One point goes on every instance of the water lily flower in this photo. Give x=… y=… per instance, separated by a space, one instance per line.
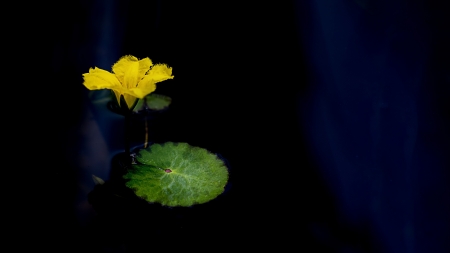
x=131 y=78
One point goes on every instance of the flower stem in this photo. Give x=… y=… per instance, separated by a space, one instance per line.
x=146 y=133
x=127 y=138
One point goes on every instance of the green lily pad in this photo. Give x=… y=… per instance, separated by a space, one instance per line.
x=177 y=174
x=154 y=102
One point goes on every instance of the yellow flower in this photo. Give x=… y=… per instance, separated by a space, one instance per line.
x=131 y=78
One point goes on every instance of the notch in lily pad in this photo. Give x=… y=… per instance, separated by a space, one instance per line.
x=154 y=102
x=177 y=174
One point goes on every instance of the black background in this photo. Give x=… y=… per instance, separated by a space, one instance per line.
x=250 y=83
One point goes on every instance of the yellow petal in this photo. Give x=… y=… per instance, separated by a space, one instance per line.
x=144 y=66
x=117 y=96
x=122 y=66
x=160 y=72
x=129 y=100
x=139 y=93
x=98 y=79
x=130 y=79
x=146 y=86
